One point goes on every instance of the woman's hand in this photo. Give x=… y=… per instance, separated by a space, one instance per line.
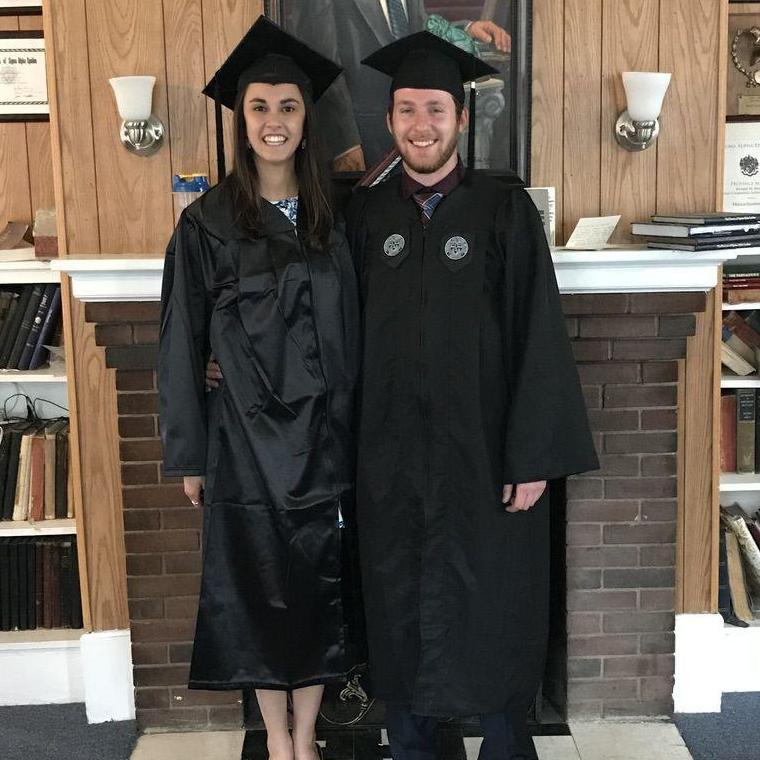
x=194 y=488
x=525 y=495
x=213 y=374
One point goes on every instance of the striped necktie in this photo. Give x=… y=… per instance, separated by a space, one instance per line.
x=399 y=23
x=427 y=203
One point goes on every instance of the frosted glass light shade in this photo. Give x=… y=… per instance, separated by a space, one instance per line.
x=134 y=96
x=644 y=91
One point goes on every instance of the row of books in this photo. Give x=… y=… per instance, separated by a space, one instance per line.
x=39 y=584
x=30 y=317
x=34 y=470
x=739 y=572
x=700 y=232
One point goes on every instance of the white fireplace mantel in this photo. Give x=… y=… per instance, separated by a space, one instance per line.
x=128 y=277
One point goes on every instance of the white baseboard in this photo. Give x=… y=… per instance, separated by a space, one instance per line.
x=698 y=680
x=107 y=669
x=55 y=667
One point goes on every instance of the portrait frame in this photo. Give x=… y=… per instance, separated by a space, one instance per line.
x=23 y=91
x=518 y=91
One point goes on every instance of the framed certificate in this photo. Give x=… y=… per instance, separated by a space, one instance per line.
x=20 y=7
x=741 y=191
x=23 y=84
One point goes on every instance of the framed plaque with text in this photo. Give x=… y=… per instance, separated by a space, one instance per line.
x=741 y=190
x=23 y=84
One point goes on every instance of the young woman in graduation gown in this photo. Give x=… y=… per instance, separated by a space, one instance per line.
x=257 y=275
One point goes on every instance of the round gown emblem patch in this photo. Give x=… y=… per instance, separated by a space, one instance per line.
x=456 y=248
x=393 y=245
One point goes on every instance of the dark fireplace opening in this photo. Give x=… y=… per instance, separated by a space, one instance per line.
x=551 y=702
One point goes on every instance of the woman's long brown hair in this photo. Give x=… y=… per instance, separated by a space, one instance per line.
x=314 y=212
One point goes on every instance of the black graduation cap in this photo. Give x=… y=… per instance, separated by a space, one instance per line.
x=424 y=61
x=267 y=53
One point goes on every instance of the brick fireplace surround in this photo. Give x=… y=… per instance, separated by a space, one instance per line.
x=620 y=531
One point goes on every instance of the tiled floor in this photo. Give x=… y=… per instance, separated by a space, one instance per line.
x=590 y=741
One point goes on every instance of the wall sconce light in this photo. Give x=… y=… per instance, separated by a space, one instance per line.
x=637 y=128
x=141 y=132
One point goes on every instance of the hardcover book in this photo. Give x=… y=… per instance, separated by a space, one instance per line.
x=745 y=429
x=728 y=433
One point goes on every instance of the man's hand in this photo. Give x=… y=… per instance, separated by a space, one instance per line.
x=350 y=161
x=194 y=488
x=488 y=32
x=525 y=496
x=213 y=374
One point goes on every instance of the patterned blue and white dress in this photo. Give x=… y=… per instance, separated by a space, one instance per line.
x=289 y=207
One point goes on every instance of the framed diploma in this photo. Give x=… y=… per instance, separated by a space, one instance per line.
x=23 y=84
x=741 y=190
x=20 y=7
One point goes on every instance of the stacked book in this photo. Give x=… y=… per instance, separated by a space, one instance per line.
x=741 y=281
x=34 y=470
x=740 y=342
x=39 y=584
x=739 y=569
x=700 y=232
x=30 y=317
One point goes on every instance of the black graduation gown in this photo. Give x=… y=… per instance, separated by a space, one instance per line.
x=274 y=441
x=468 y=383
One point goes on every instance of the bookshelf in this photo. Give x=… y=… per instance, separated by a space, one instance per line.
x=739 y=482
x=47 y=375
x=64 y=527
x=744 y=488
x=53 y=654
x=740 y=306
x=41 y=638
x=740 y=670
x=734 y=381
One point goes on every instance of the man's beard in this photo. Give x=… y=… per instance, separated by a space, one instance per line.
x=433 y=164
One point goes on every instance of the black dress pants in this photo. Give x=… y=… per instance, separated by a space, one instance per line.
x=412 y=737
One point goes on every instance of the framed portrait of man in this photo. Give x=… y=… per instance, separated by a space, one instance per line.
x=353 y=111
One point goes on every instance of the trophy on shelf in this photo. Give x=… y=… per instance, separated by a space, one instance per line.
x=745 y=54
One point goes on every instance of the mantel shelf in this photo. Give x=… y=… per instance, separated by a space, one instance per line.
x=621 y=269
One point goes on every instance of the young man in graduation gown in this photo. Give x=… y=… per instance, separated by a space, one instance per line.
x=470 y=403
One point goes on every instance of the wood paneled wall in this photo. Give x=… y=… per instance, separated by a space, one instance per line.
x=112 y=201
x=26 y=179
x=580 y=48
